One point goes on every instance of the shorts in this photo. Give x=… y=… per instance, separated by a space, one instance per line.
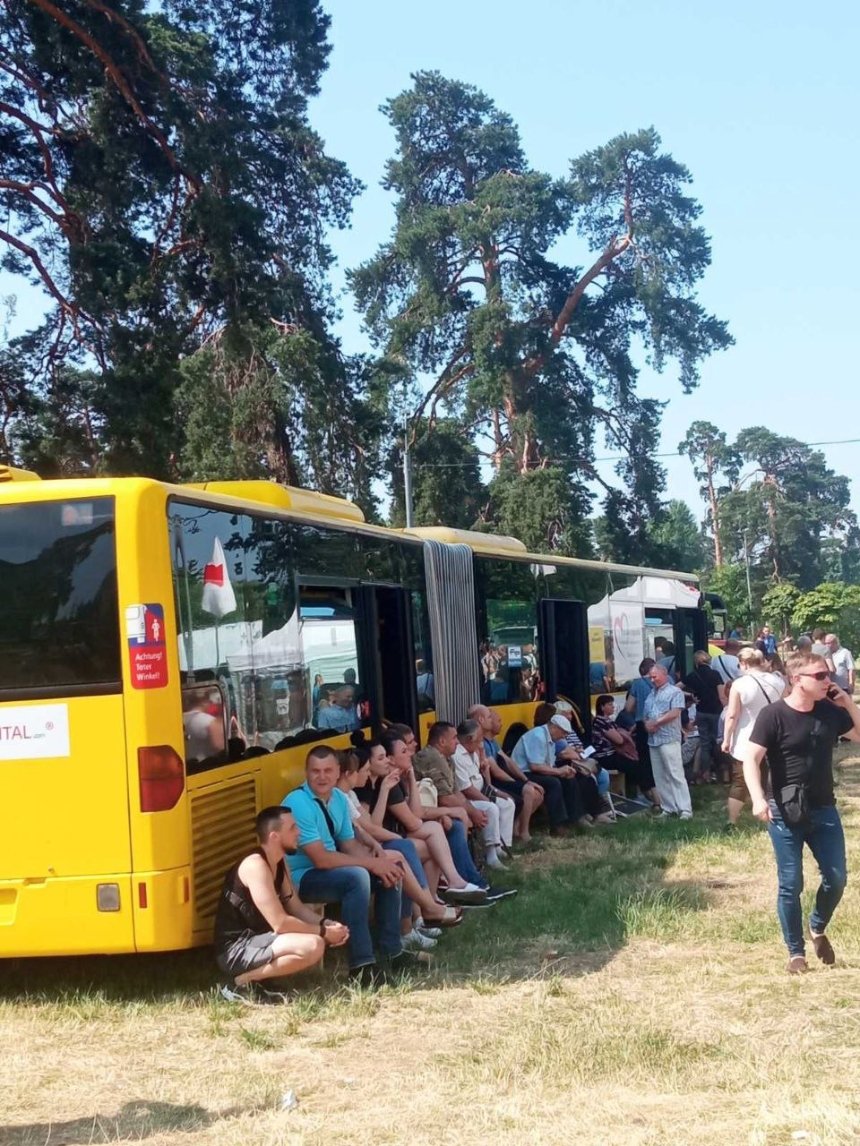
x=738 y=788
x=246 y=953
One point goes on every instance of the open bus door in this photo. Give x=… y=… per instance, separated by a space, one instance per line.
x=386 y=619
x=691 y=634
x=563 y=645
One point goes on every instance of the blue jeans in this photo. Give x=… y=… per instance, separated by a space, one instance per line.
x=410 y=852
x=826 y=840
x=462 y=857
x=707 y=724
x=351 y=887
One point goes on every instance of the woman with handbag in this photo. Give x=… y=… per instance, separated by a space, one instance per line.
x=748 y=694
x=615 y=749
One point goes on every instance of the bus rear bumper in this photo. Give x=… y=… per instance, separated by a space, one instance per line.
x=105 y=914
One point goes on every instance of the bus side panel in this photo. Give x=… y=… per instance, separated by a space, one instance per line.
x=223 y=804
x=160 y=840
x=60 y=917
x=64 y=829
x=522 y=712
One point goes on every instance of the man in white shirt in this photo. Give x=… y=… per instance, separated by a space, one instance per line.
x=499 y=828
x=843 y=664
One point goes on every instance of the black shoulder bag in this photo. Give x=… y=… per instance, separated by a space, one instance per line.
x=793 y=799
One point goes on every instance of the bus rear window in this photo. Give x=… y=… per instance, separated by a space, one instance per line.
x=59 y=620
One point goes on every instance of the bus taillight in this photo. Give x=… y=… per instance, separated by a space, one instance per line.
x=162 y=777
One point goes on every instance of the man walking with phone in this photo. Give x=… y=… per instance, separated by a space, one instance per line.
x=797 y=734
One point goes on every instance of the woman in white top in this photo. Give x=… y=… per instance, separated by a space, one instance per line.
x=423 y=915
x=753 y=690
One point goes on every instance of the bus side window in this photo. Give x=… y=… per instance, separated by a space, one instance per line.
x=204 y=720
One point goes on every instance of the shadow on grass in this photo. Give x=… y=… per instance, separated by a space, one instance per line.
x=133 y=1121
x=579 y=902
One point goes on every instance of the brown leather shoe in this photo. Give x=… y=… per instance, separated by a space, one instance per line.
x=797 y=965
x=823 y=948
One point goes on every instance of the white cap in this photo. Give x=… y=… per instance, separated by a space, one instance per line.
x=561 y=722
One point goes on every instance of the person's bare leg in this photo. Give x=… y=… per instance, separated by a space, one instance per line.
x=532 y=800
x=293 y=953
x=432 y=833
x=734 y=809
x=431 y=870
x=421 y=897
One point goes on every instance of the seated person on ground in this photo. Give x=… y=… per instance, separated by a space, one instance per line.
x=417 y=901
x=473 y=783
x=534 y=754
x=445 y=815
x=589 y=778
x=331 y=866
x=616 y=750
x=505 y=774
x=393 y=800
x=435 y=763
x=262 y=928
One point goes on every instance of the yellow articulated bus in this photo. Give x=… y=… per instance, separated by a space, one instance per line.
x=168 y=653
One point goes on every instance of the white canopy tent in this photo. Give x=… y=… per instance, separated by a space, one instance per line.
x=622 y=617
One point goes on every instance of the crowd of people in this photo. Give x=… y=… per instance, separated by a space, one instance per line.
x=406 y=841
x=410 y=838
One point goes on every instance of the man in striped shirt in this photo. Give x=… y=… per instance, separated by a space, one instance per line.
x=663 y=710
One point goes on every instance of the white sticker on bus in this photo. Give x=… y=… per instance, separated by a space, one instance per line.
x=34 y=732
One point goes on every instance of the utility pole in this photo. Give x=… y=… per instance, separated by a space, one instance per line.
x=749 y=587
x=407 y=474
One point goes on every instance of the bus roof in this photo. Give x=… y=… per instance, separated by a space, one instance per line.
x=307 y=505
x=500 y=545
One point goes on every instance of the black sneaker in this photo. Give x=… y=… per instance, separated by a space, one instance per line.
x=406 y=963
x=494 y=894
x=368 y=976
x=463 y=896
x=252 y=995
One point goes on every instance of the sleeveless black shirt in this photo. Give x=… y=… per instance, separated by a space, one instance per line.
x=237 y=914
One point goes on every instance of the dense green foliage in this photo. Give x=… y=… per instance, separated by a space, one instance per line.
x=163 y=184
x=534 y=356
x=165 y=187
x=783 y=536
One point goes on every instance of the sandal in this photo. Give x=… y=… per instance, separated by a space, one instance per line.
x=451 y=917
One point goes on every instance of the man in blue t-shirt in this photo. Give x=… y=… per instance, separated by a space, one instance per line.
x=331 y=866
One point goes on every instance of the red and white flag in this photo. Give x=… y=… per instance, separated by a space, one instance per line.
x=218 y=596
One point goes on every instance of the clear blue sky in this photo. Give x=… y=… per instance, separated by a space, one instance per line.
x=758 y=100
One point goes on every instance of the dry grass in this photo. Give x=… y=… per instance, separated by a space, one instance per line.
x=633 y=993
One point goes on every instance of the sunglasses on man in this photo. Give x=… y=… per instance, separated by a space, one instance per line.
x=816 y=675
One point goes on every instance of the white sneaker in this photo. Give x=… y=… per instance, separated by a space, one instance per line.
x=416 y=942
x=428 y=929
x=686 y=816
x=496 y=865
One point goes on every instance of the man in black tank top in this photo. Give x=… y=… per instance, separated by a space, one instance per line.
x=262 y=928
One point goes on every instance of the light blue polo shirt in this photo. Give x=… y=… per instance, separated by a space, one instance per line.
x=313 y=827
x=535 y=747
x=640 y=689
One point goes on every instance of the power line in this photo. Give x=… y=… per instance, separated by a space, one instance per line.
x=622 y=457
